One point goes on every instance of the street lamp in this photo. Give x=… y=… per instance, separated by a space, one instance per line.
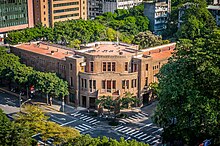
x=20 y=100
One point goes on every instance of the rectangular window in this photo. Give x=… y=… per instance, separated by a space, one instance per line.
x=90 y=84
x=146 y=81
x=104 y=66
x=109 y=86
x=82 y=83
x=103 y=84
x=85 y=83
x=113 y=84
x=94 y=84
x=146 y=67
x=126 y=66
x=123 y=84
x=113 y=66
x=132 y=83
x=71 y=66
x=135 y=67
x=71 y=81
x=91 y=66
x=135 y=83
x=109 y=66
x=127 y=84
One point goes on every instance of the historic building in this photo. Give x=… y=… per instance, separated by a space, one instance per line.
x=100 y=68
x=15 y=15
x=157 y=12
x=47 y=12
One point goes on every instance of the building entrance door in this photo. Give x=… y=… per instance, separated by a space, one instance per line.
x=92 y=102
x=145 y=98
x=84 y=101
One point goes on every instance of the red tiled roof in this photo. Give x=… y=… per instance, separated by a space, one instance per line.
x=42 y=49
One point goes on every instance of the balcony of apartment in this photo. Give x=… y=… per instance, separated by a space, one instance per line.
x=160 y=22
x=161 y=9
x=161 y=15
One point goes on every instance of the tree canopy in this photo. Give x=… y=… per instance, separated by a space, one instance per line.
x=189 y=91
x=73 y=32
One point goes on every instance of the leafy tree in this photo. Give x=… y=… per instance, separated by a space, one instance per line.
x=35 y=119
x=86 y=140
x=13 y=134
x=147 y=39
x=189 y=91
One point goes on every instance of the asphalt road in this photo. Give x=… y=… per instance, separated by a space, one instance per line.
x=137 y=126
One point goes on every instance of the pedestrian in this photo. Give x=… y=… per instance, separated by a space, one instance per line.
x=51 y=101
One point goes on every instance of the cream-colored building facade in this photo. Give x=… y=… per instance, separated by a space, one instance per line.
x=47 y=12
x=100 y=68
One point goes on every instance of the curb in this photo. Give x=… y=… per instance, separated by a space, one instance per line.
x=45 y=105
x=9 y=92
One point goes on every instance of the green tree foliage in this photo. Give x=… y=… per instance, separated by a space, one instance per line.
x=197 y=20
x=189 y=91
x=13 y=134
x=34 y=119
x=147 y=39
x=48 y=83
x=86 y=140
x=73 y=32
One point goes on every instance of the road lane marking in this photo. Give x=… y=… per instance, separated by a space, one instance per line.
x=142 y=136
x=134 y=132
x=147 y=137
x=68 y=123
x=118 y=127
x=138 y=134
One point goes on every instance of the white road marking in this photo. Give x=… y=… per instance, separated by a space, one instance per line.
x=96 y=122
x=126 y=130
x=86 y=118
x=128 y=138
x=134 y=133
x=157 y=130
x=89 y=120
x=118 y=127
x=150 y=139
x=80 y=129
x=123 y=129
x=92 y=121
x=130 y=131
x=147 y=125
x=138 y=134
x=83 y=127
x=142 y=136
x=147 y=137
x=87 y=126
x=68 y=123
x=82 y=117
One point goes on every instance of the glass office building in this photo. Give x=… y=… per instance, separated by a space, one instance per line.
x=13 y=12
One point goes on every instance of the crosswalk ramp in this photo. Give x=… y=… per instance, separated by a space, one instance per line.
x=85 y=118
x=143 y=136
x=135 y=118
x=83 y=127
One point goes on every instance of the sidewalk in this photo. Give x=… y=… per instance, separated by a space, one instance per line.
x=41 y=101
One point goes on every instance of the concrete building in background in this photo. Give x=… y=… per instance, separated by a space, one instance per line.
x=47 y=12
x=100 y=68
x=157 y=12
x=98 y=7
x=215 y=11
x=15 y=15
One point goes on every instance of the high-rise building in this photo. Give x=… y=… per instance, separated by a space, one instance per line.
x=98 y=7
x=157 y=12
x=47 y=12
x=15 y=15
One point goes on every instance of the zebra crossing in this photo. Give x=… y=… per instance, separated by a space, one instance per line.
x=83 y=127
x=85 y=118
x=147 y=137
x=134 y=118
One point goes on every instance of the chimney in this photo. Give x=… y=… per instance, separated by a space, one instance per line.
x=57 y=50
x=48 y=48
x=52 y=52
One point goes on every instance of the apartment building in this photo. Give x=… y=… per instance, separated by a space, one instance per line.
x=100 y=68
x=47 y=12
x=98 y=7
x=157 y=12
x=15 y=15
x=215 y=11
